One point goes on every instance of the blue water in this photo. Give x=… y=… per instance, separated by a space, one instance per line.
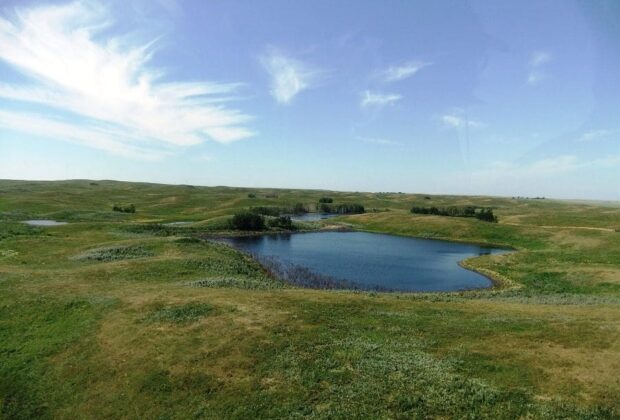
x=373 y=260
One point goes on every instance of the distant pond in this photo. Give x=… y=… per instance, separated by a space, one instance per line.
x=370 y=261
x=312 y=217
x=43 y=222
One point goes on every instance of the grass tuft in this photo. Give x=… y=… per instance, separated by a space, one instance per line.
x=181 y=314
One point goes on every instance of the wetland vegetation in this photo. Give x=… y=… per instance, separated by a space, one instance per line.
x=124 y=315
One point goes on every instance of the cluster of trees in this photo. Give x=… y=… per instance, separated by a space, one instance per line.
x=281 y=222
x=129 y=209
x=349 y=208
x=298 y=208
x=482 y=213
x=248 y=221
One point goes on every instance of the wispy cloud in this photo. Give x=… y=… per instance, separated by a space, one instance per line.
x=376 y=140
x=289 y=76
x=377 y=99
x=403 y=71
x=457 y=120
x=537 y=72
x=593 y=135
x=103 y=87
x=501 y=171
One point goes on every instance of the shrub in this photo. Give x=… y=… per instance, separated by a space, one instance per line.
x=129 y=209
x=282 y=222
x=251 y=195
x=326 y=200
x=247 y=221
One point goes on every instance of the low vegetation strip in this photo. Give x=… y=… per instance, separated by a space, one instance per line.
x=114 y=253
x=485 y=214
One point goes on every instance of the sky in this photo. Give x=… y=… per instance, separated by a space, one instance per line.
x=510 y=98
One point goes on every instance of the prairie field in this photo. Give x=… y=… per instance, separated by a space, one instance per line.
x=124 y=315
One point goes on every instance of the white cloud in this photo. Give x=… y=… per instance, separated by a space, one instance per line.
x=289 y=76
x=593 y=135
x=457 y=120
x=404 y=71
x=537 y=72
x=101 y=138
x=104 y=81
x=379 y=99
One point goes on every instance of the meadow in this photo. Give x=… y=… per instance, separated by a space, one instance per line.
x=123 y=315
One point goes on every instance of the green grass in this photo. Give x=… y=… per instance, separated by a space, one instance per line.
x=180 y=314
x=118 y=315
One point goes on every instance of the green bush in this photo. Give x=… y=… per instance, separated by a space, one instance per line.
x=129 y=209
x=247 y=221
x=326 y=200
x=282 y=222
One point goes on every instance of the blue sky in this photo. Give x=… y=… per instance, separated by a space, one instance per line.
x=462 y=97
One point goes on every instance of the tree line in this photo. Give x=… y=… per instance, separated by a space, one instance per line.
x=250 y=221
x=347 y=208
x=480 y=213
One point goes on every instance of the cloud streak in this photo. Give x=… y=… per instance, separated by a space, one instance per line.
x=537 y=72
x=289 y=76
x=456 y=120
x=509 y=173
x=101 y=87
x=404 y=71
x=377 y=141
x=593 y=135
x=378 y=99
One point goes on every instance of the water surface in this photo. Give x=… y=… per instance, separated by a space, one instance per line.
x=373 y=260
x=312 y=217
x=43 y=222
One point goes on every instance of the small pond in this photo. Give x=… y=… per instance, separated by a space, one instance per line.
x=312 y=217
x=43 y=222
x=368 y=260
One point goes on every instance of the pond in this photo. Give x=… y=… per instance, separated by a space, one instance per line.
x=43 y=222
x=312 y=217
x=367 y=261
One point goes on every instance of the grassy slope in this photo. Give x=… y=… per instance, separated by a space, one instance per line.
x=128 y=336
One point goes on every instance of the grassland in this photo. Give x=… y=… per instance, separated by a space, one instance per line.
x=111 y=316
